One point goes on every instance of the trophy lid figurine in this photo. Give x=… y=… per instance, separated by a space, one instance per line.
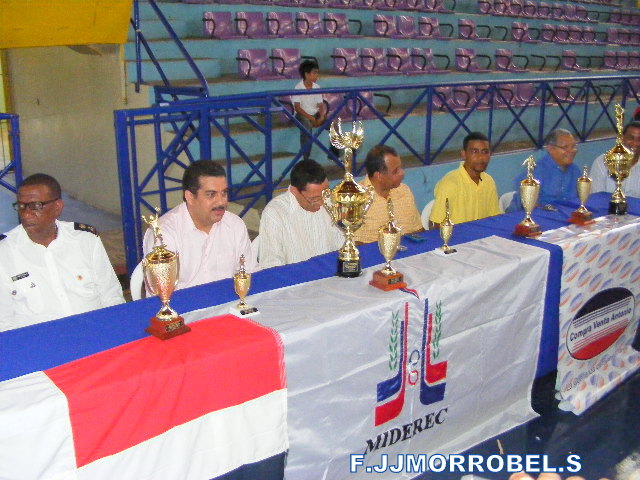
x=529 y=191
x=446 y=230
x=582 y=216
x=241 y=285
x=348 y=202
x=389 y=236
x=161 y=269
x=618 y=161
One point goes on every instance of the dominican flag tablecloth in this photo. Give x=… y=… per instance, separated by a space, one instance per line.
x=193 y=407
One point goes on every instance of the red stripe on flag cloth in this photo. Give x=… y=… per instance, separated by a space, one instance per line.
x=134 y=392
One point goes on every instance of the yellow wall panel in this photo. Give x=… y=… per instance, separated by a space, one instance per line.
x=40 y=23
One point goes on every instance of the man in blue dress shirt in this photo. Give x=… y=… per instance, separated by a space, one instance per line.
x=555 y=170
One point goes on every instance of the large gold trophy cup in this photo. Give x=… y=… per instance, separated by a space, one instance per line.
x=349 y=201
x=529 y=192
x=618 y=161
x=161 y=268
x=389 y=236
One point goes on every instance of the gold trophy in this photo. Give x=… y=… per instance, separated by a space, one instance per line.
x=582 y=216
x=349 y=201
x=446 y=230
x=529 y=191
x=389 y=236
x=242 y=284
x=618 y=161
x=161 y=268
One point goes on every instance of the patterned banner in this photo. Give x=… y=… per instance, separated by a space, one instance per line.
x=598 y=314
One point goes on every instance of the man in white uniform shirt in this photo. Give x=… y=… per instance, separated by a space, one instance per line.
x=603 y=182
x=208 y=239
x=295 y=226
x=51 y=269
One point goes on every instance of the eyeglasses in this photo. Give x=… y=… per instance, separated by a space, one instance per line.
x=567 y=148
x=34 y=206
x=312 y=201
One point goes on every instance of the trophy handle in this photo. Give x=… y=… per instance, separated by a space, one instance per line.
x=326 y=200
x=369 y=202
x=150 y=285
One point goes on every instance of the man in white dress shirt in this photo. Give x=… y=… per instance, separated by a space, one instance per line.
x=208 y=239
x=51 y=269
x=295 y=226
x=603 y=182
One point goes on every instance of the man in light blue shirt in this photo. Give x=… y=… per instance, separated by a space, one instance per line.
x=555 y=170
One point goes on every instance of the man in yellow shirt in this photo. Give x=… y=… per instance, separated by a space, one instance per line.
x=385 y=174
x=471 y=191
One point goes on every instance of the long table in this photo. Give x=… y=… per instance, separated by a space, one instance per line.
x=55 y=343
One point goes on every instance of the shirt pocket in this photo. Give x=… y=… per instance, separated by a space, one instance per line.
x=28 y=295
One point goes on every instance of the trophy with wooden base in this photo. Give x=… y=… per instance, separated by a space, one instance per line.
x=529 y=192
x=446 y=230
x=161 y=269
x=389 y=236
x=349 y=201
x=582 y=216
x=618 y=161
x=241 y=285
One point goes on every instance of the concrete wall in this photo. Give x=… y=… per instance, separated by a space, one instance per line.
x=65 y=99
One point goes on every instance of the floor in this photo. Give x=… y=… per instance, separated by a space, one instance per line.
x=607 y=437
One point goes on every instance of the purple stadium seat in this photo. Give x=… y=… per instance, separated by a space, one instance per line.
x=544 y=10
x=562 y=92
x=414 y=5
x=504 y=61
x=311 y=25
x=429 y=28
x=282 y=25
x=338 y=25
x=570 y=62
x=406 y=26
x=228 y=2
x=557 y=11
x=346 y=61
x=219 y=25
x=363 y=4
x=526 y=94
x=384 y=25
x=375 y=61
x=466 y=61
x=575 y=34
x=485 y=7
x=487 y=97
x=340 y=3
x=253 y=64
x=570 y=12
x=520 y=33
x=385 y=4
x=562 y=34
x=286 y=61
x=400 y=59
x=291 y=3
x=634 y=38
x=634 y=60
x=515 y=8
x=610 y=60
x=547 y=32
x=623 y=60
x=467 y=31
x=252 y=25
x=625 y=16
x=423 y=58
x=589 y=36
x=582 y=14
x=613 y=35
x=615 y=15
x=436 y=6
x=530 y=9
x=501 y=7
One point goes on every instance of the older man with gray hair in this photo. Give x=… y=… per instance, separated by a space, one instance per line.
x=555 y=170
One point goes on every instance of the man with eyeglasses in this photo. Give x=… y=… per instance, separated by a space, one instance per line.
x=385 y=174
x=555 y=170
x=208 y=238
x=51 y=269
x=471 y=191
x=295 y=226
x=603 y=182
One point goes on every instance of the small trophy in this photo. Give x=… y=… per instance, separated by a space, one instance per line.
x=161 y=268
x=618 y=161
x=242 y=284
x=529 y=191
x=582 y=216
x=349 y=201
x=389 y=236
x=446 y=230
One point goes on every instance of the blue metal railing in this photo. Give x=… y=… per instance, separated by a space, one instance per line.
x=230 y=128
x=141 y=42
x=11 y=172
